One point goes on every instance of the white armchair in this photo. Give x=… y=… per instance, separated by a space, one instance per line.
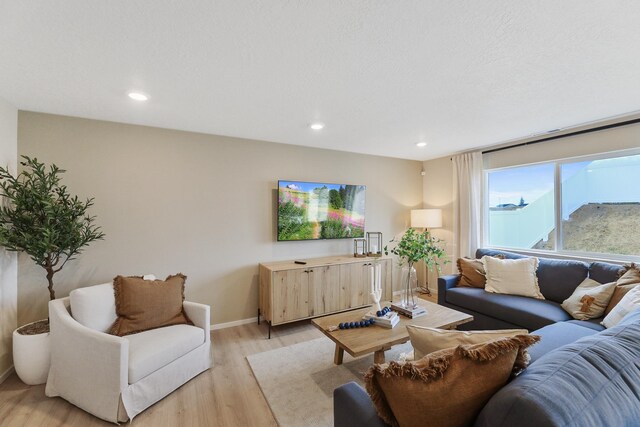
x=116 y=378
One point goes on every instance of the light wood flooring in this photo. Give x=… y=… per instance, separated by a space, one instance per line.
x=226 y=395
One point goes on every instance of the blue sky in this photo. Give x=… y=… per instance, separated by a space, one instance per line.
x=309 y=186
x=528 y=182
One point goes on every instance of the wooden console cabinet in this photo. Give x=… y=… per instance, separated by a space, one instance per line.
x=291 y=292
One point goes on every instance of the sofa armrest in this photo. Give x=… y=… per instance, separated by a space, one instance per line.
x=445 y=283
x=82 y=358
x=200 y=315
x=352 y=407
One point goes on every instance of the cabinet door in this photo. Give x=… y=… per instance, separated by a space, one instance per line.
x=324 y=289
x=290 y=295
x=355 y=284
x=387 y=282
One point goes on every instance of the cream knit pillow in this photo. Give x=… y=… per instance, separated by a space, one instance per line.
x=512 y=276
x=627 y=304
x=589 y=300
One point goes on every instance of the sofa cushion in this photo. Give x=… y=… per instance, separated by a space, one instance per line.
x=594 y=381
x=633 y=317
x=529 y=313
x=557 y=279
x=512 y=276
x=455 y=382
x=94 y=306
x=629 y=280
x=629 y=303
x=590 y=324
x=151 y=350
x=148 y=304
x=472 y=274
x=555 y=336
x=589 y=300
x=604 y=272
x=425 y=340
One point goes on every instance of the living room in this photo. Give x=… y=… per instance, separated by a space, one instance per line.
x=428 y=105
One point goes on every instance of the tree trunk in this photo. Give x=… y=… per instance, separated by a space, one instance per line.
x=50 y=273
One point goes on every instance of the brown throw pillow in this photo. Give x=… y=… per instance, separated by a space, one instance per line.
x=472 y=274
x=148 y=304
x=425 y=340
x=629 y=275
x=448 y=387
x=629 y=279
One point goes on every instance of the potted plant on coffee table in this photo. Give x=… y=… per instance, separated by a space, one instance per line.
x=39 y=217
x=412 y=247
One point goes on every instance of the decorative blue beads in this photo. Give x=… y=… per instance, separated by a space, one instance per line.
x=382 y=312
x=360 y=324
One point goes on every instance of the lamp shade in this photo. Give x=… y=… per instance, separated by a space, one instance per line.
x=426 y=218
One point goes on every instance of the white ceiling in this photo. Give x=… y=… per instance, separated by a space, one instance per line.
x=382 y=75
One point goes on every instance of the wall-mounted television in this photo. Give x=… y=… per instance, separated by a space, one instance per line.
x=313 y=210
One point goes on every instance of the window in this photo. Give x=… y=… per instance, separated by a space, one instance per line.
x=521 y=206
x=588 y=206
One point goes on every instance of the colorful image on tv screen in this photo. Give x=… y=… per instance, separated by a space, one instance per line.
x=309 y=210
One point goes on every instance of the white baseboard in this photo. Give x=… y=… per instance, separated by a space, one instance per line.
x=6 y=374
x=234 y=323
x=255 y=319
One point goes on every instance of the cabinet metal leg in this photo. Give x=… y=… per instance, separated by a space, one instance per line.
x=258 y=316
x=269 y=329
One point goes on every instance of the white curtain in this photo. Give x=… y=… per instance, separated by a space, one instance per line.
x=467 y=203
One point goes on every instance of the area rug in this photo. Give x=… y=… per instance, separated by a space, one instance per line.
x=298 y=380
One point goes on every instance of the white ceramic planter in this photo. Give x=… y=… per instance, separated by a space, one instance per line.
x=31 y=357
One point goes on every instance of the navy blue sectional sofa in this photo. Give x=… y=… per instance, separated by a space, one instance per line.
x=580 y=374
x=577 y=377
x=557 y=280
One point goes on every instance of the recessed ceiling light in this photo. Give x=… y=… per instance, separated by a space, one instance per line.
x=317 y=126
x=421 y=144
x=138 y=96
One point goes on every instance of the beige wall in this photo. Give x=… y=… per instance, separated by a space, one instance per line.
x=438 y=179
x=8 y=264
x=437 y=191
x=204 y=205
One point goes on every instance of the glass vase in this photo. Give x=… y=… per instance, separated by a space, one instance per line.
x=409 y=282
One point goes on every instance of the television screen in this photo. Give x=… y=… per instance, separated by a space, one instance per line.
x=311 y=210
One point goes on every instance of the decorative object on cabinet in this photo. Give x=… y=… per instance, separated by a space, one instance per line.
x=374 y=243
x=360 y=248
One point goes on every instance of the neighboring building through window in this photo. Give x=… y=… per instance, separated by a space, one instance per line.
x=587 y=206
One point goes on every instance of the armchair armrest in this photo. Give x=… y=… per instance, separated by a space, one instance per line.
x=352 y=407
x=81 y=358
x=444 y=283
x=200 y=316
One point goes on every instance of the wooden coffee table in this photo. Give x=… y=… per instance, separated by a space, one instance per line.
x=377 y=339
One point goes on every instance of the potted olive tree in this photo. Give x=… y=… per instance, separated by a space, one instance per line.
x=39 y=217
x=411 y=248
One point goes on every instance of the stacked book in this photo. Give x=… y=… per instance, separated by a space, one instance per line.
x=388 y=320
x=411 y=313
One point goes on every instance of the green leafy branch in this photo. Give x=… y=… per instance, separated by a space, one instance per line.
x=416 y=246
x=40 y=217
